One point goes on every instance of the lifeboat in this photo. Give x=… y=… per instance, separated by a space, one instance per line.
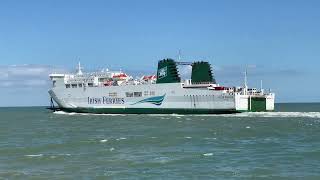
x=122 y=76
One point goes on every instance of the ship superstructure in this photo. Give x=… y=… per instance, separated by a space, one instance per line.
x=117 y=92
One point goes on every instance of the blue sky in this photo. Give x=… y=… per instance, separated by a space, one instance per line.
x=278 y=40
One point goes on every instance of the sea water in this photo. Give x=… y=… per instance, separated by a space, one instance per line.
x=36 y=143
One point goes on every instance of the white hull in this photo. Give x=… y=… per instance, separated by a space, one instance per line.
x=174 y=97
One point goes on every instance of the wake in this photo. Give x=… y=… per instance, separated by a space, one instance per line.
x=244 y=114
x=273 y=114
x=85 y=114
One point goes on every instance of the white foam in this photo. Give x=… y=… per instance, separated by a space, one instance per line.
x=244 y=114
x=64 y=154
x=269 y=114
x=284 y=114
x=103 y=140
x=176 y=115
x=188 y=137
x=248 y=127
x=64 y=113
x=158 y=114
x=208 y=154
x=34 y=155
x=208 y=138
x=162 y=160
x=111 y=149
x=86 y=114
x=122 y=138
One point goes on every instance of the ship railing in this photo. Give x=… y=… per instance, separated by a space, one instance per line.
x=259 y=93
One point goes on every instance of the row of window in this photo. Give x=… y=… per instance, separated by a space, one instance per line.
x=133 y=94
x=139 y=94
x=77 y=85
x=149 y=93
x=114 y=94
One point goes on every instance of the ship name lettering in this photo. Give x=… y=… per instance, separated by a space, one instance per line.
x=92 y=100
x=105 y=100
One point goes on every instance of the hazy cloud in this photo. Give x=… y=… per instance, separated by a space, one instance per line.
x=254 y=70
x=27 y=75
x=30 y=75
x=3 y=75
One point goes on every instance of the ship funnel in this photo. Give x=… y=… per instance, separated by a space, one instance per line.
x=202 y=73
x=167 y=72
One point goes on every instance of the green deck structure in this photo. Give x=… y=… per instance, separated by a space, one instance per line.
x=257 y=104
x=167 y=72
x=202 y=73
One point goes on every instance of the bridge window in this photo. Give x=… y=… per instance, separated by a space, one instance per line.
x=67 y=85
x=137 y=94
x=74 y=85
x=129 y=94
x=152 y=93
x=79 y=85
x=112 y=94
x=146 y=93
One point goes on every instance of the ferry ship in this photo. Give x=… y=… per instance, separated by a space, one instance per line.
x=115 y=92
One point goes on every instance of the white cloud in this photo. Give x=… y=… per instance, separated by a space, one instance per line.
x=3 y=75
x=26 y=75
x=35 y=82
x=6 y=84
x=26 y=70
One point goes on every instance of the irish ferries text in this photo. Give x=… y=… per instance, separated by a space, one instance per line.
x=105 y=100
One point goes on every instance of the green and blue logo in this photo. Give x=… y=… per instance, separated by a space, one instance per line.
x=156 y=100
x=162 y=72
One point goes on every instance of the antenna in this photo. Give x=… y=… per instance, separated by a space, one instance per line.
x=245 y=82
x=79 y=69
x=179 y=55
